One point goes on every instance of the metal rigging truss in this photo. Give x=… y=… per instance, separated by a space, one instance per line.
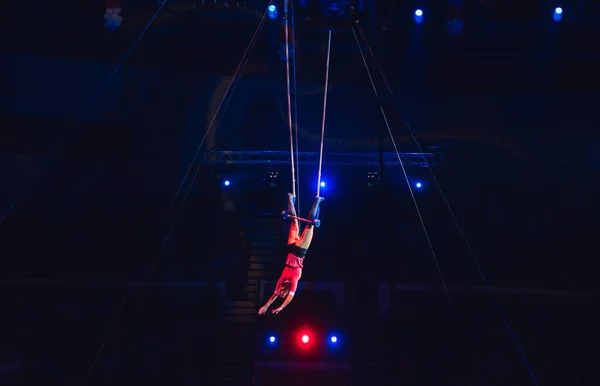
x=281 y=158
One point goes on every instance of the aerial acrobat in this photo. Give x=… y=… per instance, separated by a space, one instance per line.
x=297 y=244
x=297 y=247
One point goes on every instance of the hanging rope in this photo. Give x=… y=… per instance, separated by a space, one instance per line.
x=324 y=114
x=289 y=97
x=295 y=96
x=240 y=69
x=456 y=222
x=88 y=109
x=412 y=194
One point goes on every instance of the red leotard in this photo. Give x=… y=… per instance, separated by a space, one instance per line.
x=292 y=272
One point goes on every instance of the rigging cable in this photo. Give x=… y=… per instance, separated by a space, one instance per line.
x=115 y=322
x=295 y=96
x=454 y=218
x=324 y=114
x=289 y=98
x=412 y=194
x=456 y=222
x=91 y=103
x=230 y=87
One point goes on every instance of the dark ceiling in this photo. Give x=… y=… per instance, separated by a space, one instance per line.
x=211 y=38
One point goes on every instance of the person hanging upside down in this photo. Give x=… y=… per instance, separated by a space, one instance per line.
x=297 y=247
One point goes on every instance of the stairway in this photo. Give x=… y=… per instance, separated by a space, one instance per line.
x=237 y=333
x=367 y=348
x=265 y=237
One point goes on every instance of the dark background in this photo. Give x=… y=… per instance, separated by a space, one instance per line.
x=510 y=104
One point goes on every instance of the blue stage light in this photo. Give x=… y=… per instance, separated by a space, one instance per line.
x=323 y=184
x=418 y=185
x=272 y=339
x=558 y=11
x=418 y=16
x=334 y=339
x=272 y=12
x=226 y=183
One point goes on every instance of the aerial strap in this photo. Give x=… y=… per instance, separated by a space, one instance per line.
x=289 y=96
x=324 y=114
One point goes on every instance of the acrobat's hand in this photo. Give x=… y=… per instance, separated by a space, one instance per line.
x=276 y=311
x=263 y=310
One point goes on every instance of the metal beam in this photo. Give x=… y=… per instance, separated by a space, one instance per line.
x=311 y=286
x=282 y=158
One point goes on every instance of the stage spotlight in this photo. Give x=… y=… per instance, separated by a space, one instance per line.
x=305 y=339
x=226 y=183
x=418 y=185
x=323 y=184
x=557 y=14
x=272 y=12
x=418 y=16
x=334 y=8
x=272 y=339
x=272 y=178
x=113 y=18
x=372 y=179
x=333 y=339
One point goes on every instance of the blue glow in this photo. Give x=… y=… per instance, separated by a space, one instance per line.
x=272 y=339
x=272 y=11
x=557 y=14
x=418 y=16
x=334 y=339
x=322 y=184
x=418 y=185
x=226 y=183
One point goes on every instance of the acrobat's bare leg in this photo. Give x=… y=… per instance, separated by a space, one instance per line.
x=307 y=235
x=294 y=234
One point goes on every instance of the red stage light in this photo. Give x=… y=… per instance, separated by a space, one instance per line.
x=305 y=338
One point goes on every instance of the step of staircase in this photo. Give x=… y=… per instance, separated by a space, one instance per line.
x=263 y=258
x=257 y=266
x=265 y=243
x=242 y=311
x=251 y=288
x=265 y=235
x=240 y=318
x=268 y=255
x=271 y=274
x=239 y=303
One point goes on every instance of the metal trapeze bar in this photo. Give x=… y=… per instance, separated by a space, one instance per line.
x=282 y=158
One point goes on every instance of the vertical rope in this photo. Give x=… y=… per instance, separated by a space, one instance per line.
x=324 y=113
x=456 y=222
x=289 y=98
x=410 y=189
x=295 y=95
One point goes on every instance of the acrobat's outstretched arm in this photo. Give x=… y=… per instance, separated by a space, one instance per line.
x=265 y=308
x=288 y=300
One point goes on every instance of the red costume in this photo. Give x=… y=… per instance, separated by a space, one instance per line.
x=293 y=269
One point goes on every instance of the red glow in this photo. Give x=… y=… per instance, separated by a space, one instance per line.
x=305 y=338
